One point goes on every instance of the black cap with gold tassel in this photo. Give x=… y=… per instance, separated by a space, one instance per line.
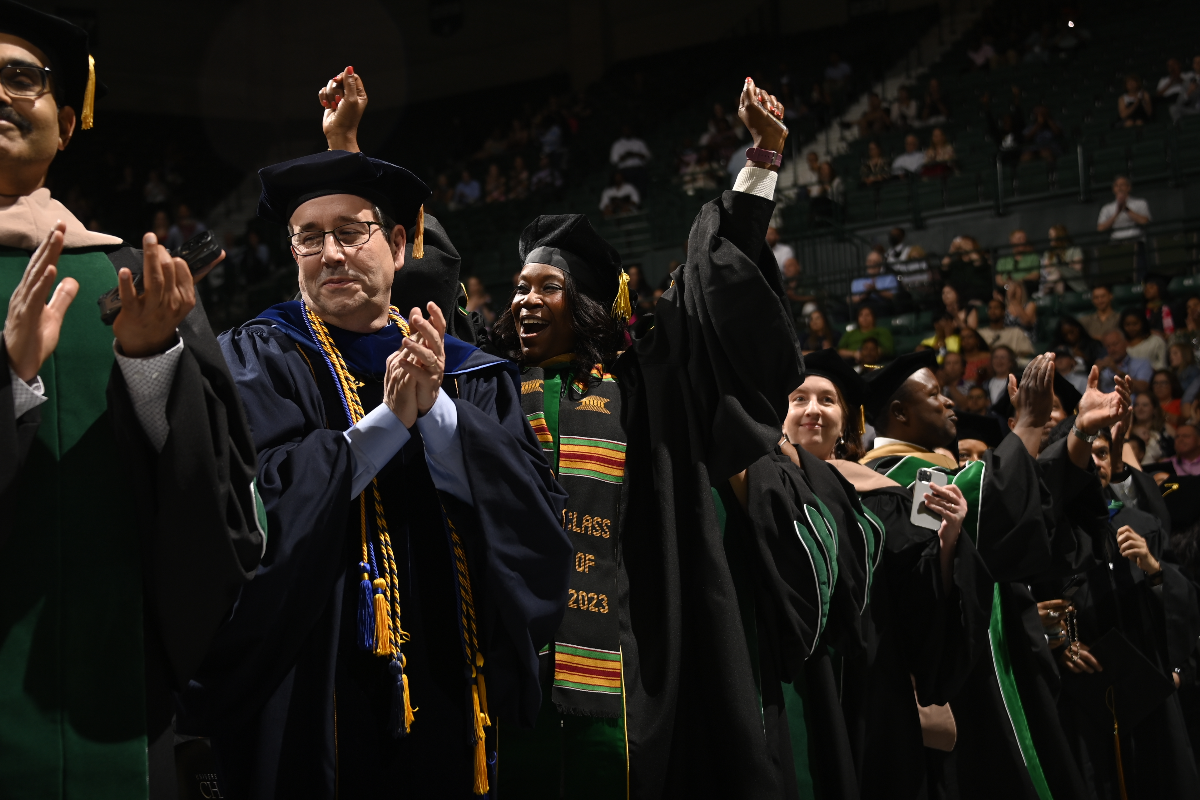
x=621 y=308
x=569 y=242
x=853 y=389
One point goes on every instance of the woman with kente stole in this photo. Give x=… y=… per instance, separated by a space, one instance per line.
x=652 y=675
x=418 y=562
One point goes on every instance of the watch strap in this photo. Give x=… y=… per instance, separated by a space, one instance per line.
x=1089 y=439
x=760 y=155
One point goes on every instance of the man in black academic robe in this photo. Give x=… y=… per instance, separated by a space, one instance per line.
x=296 y=702
x=126 y=472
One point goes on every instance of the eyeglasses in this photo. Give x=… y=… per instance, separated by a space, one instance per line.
x=25 y=81
x=352 y=234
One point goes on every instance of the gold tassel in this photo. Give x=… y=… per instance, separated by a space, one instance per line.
x=621 y=308
x=383 y=627
x=487 y=722
x=408 y=709
x=419 y=236
x=1111 y=702
x=89 y=97
x=481 y=781
x=862 y=420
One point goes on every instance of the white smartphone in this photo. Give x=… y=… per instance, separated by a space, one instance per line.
x=921 y=515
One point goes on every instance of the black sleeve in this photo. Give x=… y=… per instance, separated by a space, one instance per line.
x=203 y=534
x=16 y=436
x=1078 y=520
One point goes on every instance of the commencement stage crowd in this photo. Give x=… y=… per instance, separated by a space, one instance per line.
x=367 y=545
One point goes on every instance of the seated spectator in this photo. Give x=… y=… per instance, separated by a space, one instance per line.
x=952 y=303
x=978 y=400
x=1173 y=84
x=518 y=179
x=875 y=120
x=1105 y=318
x=495 y=145
x=1072 y=335
x=700 y=175
x=904 y=110
x=1141 y=342
x=968 y=268
x=975 y=353
x=1119 y=362
x=494 y=189
x=724 y=143
x=161 y=226
x=850 y=345
x=912 y=160
x=1022 y=265
x=443 y=192
x=983 y=55
x=620 y=197
x=1186 y=460
x=875 y=169
x=549 y=132
x=783 y=252
x=1004 y=363
x=1042 y=137
x=826 y=202
x=877 y=288
x=630 y=155
x=1181 y=360
x=837 y=74
x=518 y=135
x=897 y=249
x=155 y=192
x=1159 y=315
x=719 y=120
x=1134 y=107
x=819 y=102
x=951 y=377
x=1062 y=265
x=939 y=156
x=871 y=355
x=800 y=296
x=547 y=179
x=915 y=274
x=999 y=332
x=806 y=172
x=944 y=339
x=467 y=192
x=1166 y=389
x=1019 y=310
x=936 y=110
x=1066 y=365
x=816 y=333
x=186 y=226
x=479 y=299
x=1150 y=425
x=1187 y=102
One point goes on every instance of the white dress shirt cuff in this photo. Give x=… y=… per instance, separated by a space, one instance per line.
x=373 y=442
x=756 y=181
x=149 y=381
x=443 y=448
x=26 y=396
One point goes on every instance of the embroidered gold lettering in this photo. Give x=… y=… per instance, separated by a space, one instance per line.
x=584 y=562
x=532 y=387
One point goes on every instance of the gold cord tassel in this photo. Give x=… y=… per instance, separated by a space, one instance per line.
x=862 y=420
x=86 y=116
x=1111 y=702
x=481 y=781
x=621 y=307
x=408 y=709
x=487 y=722
x=419 y=236
x=383 y=627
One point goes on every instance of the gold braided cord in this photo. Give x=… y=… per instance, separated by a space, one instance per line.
x=386 y=563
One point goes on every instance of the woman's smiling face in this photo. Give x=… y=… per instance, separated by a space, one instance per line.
x=541 y=313
x=815 y=417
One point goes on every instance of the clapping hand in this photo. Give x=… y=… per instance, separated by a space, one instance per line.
x=32 y=326
x=415 y=371
x=1099 y=409
x=1034 y=398
x=147 y=323
x=762 y=114
x=344 y=99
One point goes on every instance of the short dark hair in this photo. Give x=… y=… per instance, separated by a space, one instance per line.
x=871 y=340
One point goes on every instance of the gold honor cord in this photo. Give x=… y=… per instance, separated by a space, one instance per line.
x=389 y=636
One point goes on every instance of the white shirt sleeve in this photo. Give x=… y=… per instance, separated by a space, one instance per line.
x=1107 y=212
x=1139 y=207
x=756 y=181
x=26 y=396
x=373 y=442
x=149 y=381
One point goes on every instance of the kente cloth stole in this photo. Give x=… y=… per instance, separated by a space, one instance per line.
x=577 y=419
x=970 y=479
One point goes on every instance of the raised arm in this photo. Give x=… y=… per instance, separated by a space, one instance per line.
x=344 y=99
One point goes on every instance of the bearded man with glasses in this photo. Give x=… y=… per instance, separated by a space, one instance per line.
x=417 y=561
x=128 y=517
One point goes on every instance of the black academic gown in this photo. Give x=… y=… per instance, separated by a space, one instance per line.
x=950 y=656
x=293 y=707
x=193 y=504
x=704 y=394
x=1162 y=624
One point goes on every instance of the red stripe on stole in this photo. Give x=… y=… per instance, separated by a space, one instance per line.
x=609 y=673
x=612 y=462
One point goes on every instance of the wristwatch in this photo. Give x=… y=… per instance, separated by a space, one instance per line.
x=1089 y=439
x=765 y=156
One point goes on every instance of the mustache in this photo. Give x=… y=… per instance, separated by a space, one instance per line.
x=9 y=114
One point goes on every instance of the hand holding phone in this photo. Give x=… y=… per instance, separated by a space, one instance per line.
x=201 y=252
x=920 y=514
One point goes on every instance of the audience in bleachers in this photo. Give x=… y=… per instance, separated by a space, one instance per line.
x=1066 y=365
x=904 y=111
x=1186 y=460
x=1135 y=106
x=1141 y=342
x=1125 y=213
x=878 y=287
x=1003 y=364
x=1062 y=265
x=967 y=267
x=1105 y=318
x=785 y=255
x=1166 y=389
x=1118 y=361
x=875 y=168
x=1149 y=425
x=1022 y=264
x=997 y=331
x=912 y=160
x=940 y=160
x=850 y=345
x=1070 y=334
x=876 y=119
x=936 y=109
x=619 y=197
x=817 y=333
x=468 y=192
x=975 y=353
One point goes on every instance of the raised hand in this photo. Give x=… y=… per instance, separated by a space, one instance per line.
x=1034 y=398
x=762 y=114
x=32 y=326
x=1133 y=546
x=344 y=99
x=1098 y=409
x=147 y=323
x=423 y=355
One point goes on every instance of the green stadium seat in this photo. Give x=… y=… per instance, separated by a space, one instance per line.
x=1126 y=294
x=1074 y=302
x=1032 y=178
x=907 y=343
x=962 y=190
x=1107 y=163
x=1115 y=263
x=1149 y=159
x=860 y=205
x=894 y=201
x=929 y=196
x=1184 y=285
x=924 y=320
x=1174 y=254
x=1066 y=172
x=902 y=323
